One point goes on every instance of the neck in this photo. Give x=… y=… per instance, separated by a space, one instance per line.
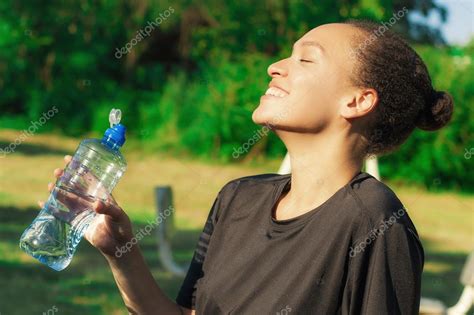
x=320 y=165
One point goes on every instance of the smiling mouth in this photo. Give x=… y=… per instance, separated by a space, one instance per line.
x=274 y=91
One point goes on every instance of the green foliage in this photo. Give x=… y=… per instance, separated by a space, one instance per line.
x=192 y=84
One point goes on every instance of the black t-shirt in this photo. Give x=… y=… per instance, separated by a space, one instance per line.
x=357 y=253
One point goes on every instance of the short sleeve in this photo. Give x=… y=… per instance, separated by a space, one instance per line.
x=187 y=293
x=384 y=274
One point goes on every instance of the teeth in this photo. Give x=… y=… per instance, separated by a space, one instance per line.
x=276 y=92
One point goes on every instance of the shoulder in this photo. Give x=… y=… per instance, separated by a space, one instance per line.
x=260 y=178
x=375 y=200
x=377 y=205
x=250 y=182
x=248 y=187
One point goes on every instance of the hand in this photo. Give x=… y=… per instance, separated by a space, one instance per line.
x=110 y=229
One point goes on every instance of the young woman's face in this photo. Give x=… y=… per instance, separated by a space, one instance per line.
x=308 y=88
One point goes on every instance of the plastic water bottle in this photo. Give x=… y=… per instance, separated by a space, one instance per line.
x=92 y=174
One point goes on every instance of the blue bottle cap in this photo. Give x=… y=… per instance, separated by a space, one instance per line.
x=114 y=137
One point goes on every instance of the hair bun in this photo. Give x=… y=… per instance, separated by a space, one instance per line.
x=437 y=112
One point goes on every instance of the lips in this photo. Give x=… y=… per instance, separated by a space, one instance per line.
x=276 y=91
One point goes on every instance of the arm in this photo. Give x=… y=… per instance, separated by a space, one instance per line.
x=138 y=288
x=110 y=230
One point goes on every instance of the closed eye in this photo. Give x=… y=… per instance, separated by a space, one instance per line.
x=306 y=60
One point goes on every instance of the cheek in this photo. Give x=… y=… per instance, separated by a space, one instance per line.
x=314 y=95
x=309 y=113
x=310 y=104
x=313 y=107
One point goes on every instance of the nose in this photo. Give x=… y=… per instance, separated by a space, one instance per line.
x=278 y=68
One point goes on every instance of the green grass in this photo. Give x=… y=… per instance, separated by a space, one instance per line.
x=444 y=220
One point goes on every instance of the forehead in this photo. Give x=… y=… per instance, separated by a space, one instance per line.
x=335 y=38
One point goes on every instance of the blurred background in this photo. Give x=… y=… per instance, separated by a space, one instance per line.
x=187 y=76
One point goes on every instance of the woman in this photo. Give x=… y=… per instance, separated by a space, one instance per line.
x=327 y=239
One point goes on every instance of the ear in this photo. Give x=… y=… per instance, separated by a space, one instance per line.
x=359 y=103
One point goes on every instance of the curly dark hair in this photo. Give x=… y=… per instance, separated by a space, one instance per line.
x=407 y=99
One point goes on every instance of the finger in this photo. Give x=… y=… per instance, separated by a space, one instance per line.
x=72 y=200
x=114 y=211
x=67 y=158
x=41 y=204
x=50 y=187
x=58 y=172
x=112 y=200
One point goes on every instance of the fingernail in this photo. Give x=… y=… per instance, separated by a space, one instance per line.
x=96 y=204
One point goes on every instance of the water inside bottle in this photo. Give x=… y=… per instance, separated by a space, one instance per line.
x=92 y=174
x=54 y=235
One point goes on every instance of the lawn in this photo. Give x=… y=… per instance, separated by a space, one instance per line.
x=445 y=222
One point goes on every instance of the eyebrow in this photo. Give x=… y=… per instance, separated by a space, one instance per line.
x=311 y=43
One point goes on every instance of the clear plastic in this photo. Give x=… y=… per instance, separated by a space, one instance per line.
x=92 y=174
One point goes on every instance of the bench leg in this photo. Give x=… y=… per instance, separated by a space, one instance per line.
x=465 y=302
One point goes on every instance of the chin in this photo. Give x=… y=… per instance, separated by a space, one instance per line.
x=260 y=117
x=268 y=116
